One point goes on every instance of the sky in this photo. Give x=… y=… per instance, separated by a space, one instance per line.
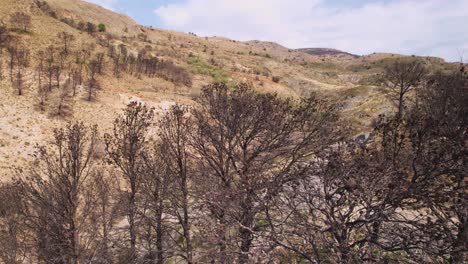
x=420 y=27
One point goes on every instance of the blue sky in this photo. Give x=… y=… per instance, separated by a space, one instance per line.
x=422 y=27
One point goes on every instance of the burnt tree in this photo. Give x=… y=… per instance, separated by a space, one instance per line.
x=125 y=148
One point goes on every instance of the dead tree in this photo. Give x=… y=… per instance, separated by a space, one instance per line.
x=22 y=62
x=100 y=59
x=80 y=62
x=61 y=100
x=155 y=184
x=337 y=211
x=54 y=191
x=436 y=132
x=66 y=40
x=50 y=65
x=13 y=232
x=362 y=204
x=125 y=149
x=75 y=78
x=93 y=69
x=93 y=86
x=21 y=21
x=13 y=53
x=402 y=77
x=102 y=200
x=91 y=28
x=247 y=145
x=4 y=40
x=40 y=70
x=43 y=95
x=175 y=135
x=19 y=61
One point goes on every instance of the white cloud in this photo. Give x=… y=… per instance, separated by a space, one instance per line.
x=430 y=27
x=109 y=4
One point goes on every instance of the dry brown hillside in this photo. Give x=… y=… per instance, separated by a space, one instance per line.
x=268 y=67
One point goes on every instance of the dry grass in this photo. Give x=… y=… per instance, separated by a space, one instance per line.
x=219 y=59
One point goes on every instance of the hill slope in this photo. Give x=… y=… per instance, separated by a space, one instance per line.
x=266 y=66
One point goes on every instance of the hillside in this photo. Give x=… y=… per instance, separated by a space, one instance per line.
x=127 y=144
x=328 y=52
x=267 y=66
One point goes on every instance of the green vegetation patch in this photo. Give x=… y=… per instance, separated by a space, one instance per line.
x=198 y=66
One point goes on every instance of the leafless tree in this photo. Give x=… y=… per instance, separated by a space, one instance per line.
x=4 y=40
x=75 y=78
x=67 y=40
x=102 y=200
x=154 y=192
x=42 y=91
x=176 y=127
x=13 y=53
x=367 y=204
x=61 y=101
x=19 y=61
x=54 y=191
x=13 y=234
x=436 y=132
x=91 y=28
x=50 y=64
x=92 y=86
x=403 y=76
x=21 y=21
x=336 y=212
x=125 y=149
x=100 y=59
x=22 y=62
x=248 y=144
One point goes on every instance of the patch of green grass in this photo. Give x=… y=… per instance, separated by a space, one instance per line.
x=198 y=66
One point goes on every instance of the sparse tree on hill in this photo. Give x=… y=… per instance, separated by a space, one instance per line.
x=62 y=99
x=93 y=86
x=19 y=61
x=67 y=40
x=75 y=78
x=402 y=77
x=21 y=21
x=22 y=62
x=42 y=90
x=91 y=28
x=13 y=53
x=4 y=35
x=100 y=59
x=43 y=95
x=4 y=39
x=50 y=65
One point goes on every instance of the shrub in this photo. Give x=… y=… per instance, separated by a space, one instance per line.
x=171 y=72
x=276 y=79
x=44 y=7
x=102 y=27
x=91 y=28
x=201 y=67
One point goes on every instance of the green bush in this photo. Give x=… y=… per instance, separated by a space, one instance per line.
x=102 y=27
